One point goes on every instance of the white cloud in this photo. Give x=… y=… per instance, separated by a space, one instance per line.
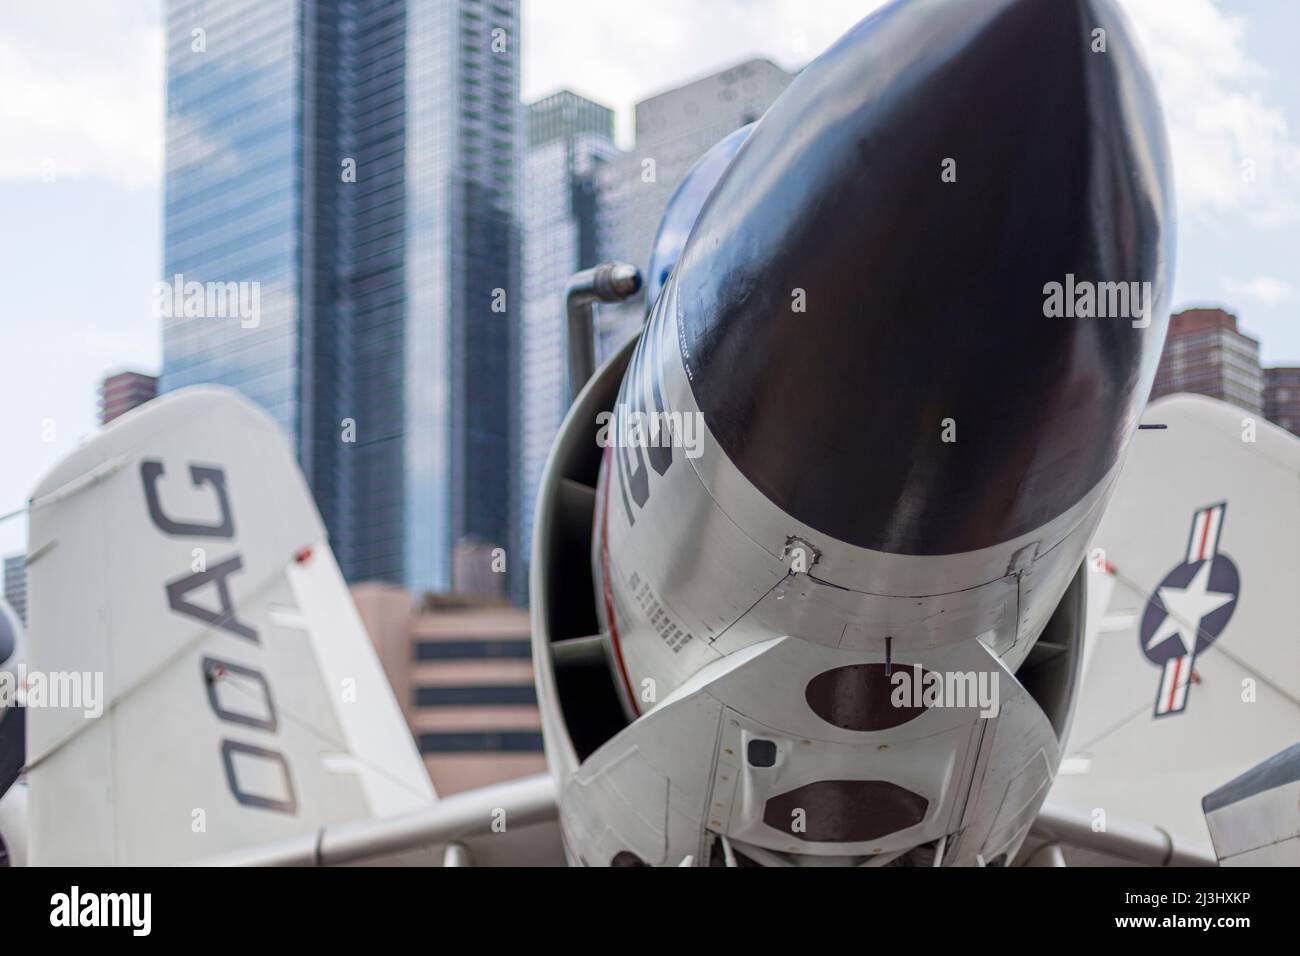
x=618 y=53
x=83 y=84
x=1221 y=131
x=1233 y=153
x=1266 y=290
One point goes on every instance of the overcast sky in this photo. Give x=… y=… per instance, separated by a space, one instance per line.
x=81 y=86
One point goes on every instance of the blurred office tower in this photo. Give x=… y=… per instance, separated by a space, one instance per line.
x=478 y=570
x=1282 y=397
x=15 y=584
x=462 y=672
x=673 y=130
x=123 y=391
x=570 y=139
x=1207 y=354
x=346 y=172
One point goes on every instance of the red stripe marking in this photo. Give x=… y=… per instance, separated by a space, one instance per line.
x=609 y=589
x=1205 y=535
x=1173 y=687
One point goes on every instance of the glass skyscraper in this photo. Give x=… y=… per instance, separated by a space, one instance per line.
x=351 y=166
x=569 y=139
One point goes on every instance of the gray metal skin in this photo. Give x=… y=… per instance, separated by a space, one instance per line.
x=680 y=760
x=716 y=607
x=1253 y=820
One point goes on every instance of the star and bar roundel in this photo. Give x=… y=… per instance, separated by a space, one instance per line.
x=1189 y=609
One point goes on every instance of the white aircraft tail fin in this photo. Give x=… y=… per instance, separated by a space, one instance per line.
x=1192 y=668
x=199 y=680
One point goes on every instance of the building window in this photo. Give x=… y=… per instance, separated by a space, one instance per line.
x=504 y=649
x=469 y=696
x=507 y=741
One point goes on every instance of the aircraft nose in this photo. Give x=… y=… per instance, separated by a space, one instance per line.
x=866 y=305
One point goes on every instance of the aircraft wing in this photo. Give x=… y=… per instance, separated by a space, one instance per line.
x=506 y=824
x=1192 y=671
x=1254 y=820
x=210 y=687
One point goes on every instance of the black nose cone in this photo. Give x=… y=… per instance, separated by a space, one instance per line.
x=866 y=303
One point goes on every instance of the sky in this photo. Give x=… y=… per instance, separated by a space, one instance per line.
x=81 y=107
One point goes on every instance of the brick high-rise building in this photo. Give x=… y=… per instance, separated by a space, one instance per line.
x=120 y=393
x=462 y=671
x=1207 y=354
x=1282 y=397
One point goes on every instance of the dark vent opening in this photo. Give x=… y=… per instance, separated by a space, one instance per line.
x=1051 y=670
